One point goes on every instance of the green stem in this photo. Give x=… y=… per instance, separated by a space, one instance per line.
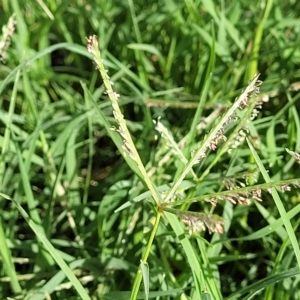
x=138 y=277
x=252 y=70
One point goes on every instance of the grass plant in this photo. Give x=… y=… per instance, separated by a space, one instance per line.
x=149 y=150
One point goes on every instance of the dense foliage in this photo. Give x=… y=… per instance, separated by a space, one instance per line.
x=194 y=194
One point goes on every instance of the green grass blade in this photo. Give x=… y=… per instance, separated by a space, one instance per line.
x=264 y=283
x=53 y=252
x=66 y=46
x=273 y=227
x=138 y=54
x=145 y=271
x=189 y=251
x=252 y=69
x=279 y=205
x=206 y=85
x=7 y=261
x=47 y=259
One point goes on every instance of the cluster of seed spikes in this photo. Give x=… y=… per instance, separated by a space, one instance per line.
x=200 y=221
x=194 y=220
x=244 y=197
x=239 y=180
x=242 y=102
x=235 y=194
x=93 y=48
x=217 y=135
x=197 y=221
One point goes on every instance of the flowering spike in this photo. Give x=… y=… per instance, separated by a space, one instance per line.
x=199 y=221
x=295 y=155
x=216 y=135
x=7 y=32
x=128 y=146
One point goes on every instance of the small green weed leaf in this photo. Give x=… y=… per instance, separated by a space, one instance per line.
x=185 y=185
x=144 y=47
x=145 y=272
x=220 y=51
x=206 y=296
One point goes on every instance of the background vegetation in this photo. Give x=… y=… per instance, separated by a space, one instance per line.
x=62 y=175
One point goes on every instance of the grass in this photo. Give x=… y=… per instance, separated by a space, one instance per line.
x=176 y=177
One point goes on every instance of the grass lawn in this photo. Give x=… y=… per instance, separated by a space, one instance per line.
x=149 y=150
